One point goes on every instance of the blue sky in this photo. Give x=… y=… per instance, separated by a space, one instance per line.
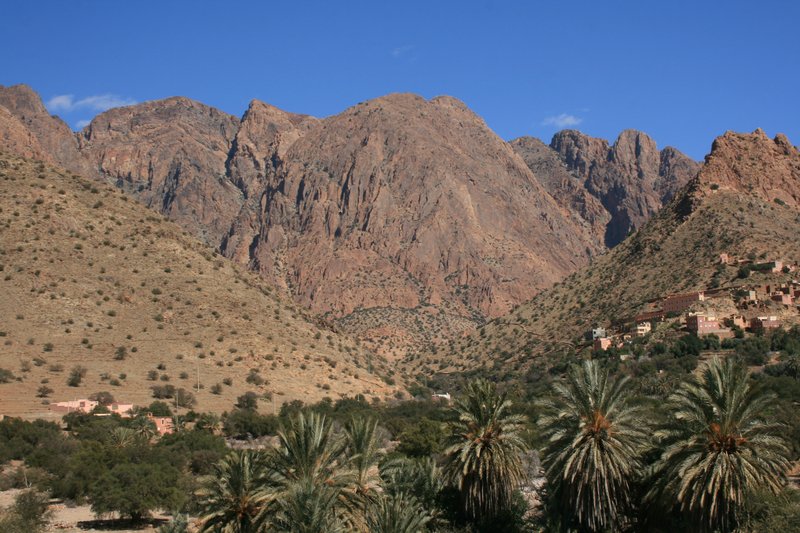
x=682 y=71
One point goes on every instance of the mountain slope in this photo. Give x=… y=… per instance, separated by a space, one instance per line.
x=400 y=202
x=87 y=274
x=730 y=207
x=171 y=155
x=631 y=179
x=566 y=187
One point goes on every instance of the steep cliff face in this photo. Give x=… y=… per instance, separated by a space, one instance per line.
x=15 y=138
x=53 y=136
x=264 y=137
x=172 y=155
x=400 y=202
x=631 y=178
x=566 y=187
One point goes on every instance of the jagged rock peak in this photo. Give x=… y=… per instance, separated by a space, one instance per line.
x=174 y=112
x=755 y=164
x=54 y=136
x=631 y=178
x=20 y=99
x=263 y=109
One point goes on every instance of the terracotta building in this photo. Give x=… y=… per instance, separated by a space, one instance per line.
x=701 y=325
x=764 y=323
x=679 y=302
x=164 y=424
x=74 y=406
x=648 y=316
x=602 y=344
x=783 y=298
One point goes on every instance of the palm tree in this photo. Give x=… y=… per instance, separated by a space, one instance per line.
x=144 y=427
x=122 y=437
x=234 y=499
x=208 y=422
x=421 y=478
x=484 y=454
x=309 y=468
x=363 y=453
x=397 y=513
x=308 y=507
x=720 y=446
x=595 y=440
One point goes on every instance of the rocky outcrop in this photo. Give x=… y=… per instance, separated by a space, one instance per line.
x=264 y=137
x=17 y=139
x=566 y=187
x=171 y=154
x=53 y=136
x=754 y=164
x=631 y=178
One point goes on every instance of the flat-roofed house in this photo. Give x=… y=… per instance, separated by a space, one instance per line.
x=643 y=328
x=164 y=424
x=679 y=302
x=702 y=325
x=74 y=406
x=764 y=323
x=602 y=344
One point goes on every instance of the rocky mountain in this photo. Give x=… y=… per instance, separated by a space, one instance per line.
x=565 y=186
x=743 y=202
x=18 y=139
x=403 y=202
x=755 y=165
x=93 y=279
x=396 y=203
x=631 y=179
x=172 y=155
x=54 y=139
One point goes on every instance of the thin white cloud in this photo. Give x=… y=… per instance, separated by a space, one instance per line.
x=82 y=124
x=99 y=102
x=61 y=102
x=563 y=120
x=400 y=51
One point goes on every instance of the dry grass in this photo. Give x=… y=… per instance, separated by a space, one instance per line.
x=90 y=277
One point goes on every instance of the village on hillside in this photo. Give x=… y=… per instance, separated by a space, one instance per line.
x=725 y=312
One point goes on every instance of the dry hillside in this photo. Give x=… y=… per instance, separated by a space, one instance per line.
x=90 y=277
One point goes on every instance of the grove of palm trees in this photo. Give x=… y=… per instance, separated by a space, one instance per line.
x=611 y=463
x=589 y=446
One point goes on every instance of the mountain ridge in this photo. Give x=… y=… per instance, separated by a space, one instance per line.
x=631 y=179
x=395 y=203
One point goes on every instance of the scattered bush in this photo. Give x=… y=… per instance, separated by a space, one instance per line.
x=76 y=375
